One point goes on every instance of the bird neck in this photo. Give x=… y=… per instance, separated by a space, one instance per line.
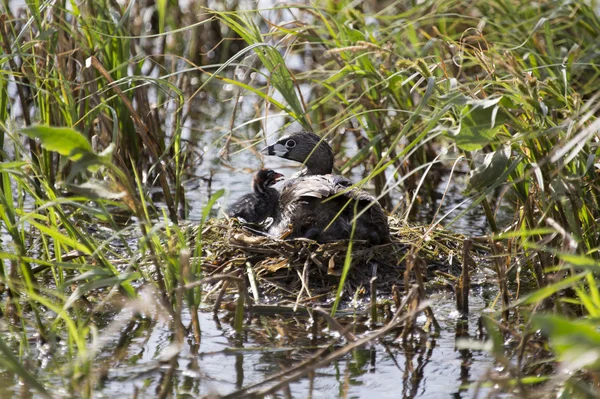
x=258 y=188
x=319 y=163
x=318 y=170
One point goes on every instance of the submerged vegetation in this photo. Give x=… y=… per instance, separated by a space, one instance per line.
x=103 y=109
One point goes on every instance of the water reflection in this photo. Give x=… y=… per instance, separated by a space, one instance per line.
x=136 y=363
x=462 y=332
x=423 y=365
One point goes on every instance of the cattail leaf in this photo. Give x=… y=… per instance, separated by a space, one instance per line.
x=493 y=167
x=97 y=189
x=66 y=141
x=480 y=121
x=60 y=238
x=576 y=342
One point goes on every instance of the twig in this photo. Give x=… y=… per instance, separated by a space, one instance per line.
x=333 y=323
x=211 y=279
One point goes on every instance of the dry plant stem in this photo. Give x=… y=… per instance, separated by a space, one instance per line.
x=410 y=263
x=396 y=296
x=420 y=283
x=304 y=280
x=222 y=291
x=335 y=325
x=252 y=279
x=462 y=287
x=311 y=364
x=212 y=279
x=412 y=304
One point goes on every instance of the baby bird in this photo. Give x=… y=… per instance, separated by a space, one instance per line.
x=260 y=204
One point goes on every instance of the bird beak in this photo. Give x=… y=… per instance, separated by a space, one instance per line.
x=268 y=150
x=278 y=177
x=276 y=149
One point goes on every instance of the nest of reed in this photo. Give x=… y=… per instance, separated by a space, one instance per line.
x=304 y=270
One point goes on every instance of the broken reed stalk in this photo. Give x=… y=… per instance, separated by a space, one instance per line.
x=304 y=281
x=464 y=281
x=411 y=304
x=414 y=263
x=222 y=291
x=314 y=328
x=334 y=325
x=396 y=295
x=252 y=279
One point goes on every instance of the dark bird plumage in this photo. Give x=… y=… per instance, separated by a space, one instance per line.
x=319 y=205
x=262 y=202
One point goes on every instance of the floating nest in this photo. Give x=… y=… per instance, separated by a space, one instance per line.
x=304 y=270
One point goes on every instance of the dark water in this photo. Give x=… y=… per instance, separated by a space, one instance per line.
x=427 y=367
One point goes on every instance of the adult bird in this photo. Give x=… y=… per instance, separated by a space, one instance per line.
x=262 y=202
x=319 y=205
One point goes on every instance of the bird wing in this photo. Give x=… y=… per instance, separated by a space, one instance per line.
x=301 y=207
x=315 y=186
x=323 y=186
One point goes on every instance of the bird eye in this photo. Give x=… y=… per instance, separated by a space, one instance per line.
x=290 y=144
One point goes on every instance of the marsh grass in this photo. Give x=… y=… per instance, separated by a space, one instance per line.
x=505 y=91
